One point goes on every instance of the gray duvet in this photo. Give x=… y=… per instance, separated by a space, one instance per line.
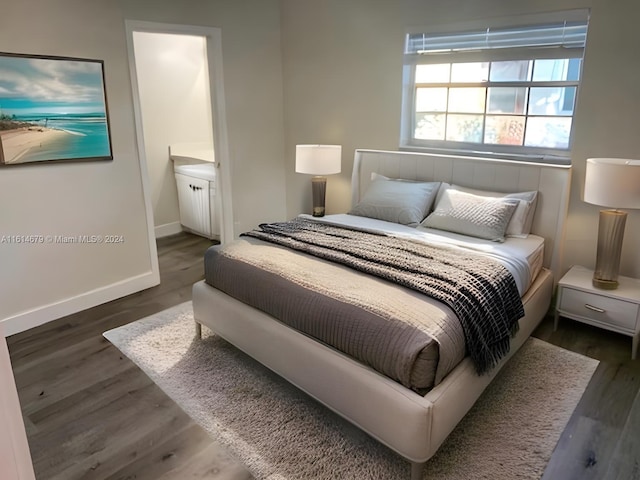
x=403 y=334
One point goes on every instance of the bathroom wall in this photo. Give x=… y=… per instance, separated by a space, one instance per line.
x=173 y=84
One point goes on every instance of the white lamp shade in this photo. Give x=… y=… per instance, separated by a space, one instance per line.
x=318 y=159
x=612 y=182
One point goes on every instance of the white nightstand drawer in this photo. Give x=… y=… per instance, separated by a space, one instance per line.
x=608 y=310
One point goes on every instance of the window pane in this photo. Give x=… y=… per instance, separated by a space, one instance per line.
x=430 y=127
x=552 y=100
x=431 y=99
x=470 y=72
x=573 y=72
x=556 y=70
x=433 y=73
x=512 y=96
x=507 y=99
x=551 y=132
x=504 y=130
x=464 y=128
x=467 y=100
x=512 y=71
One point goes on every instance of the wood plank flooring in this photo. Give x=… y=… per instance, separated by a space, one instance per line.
x=601 y=440
x=90 y=413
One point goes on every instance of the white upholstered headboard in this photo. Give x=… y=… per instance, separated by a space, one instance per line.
x=551 y=181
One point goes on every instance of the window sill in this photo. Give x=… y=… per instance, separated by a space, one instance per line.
x=554 y=160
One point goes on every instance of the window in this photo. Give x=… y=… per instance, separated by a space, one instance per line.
x=499 y=91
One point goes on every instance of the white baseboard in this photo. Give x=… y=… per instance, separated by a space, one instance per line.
x=47 y=313
x=168 y=229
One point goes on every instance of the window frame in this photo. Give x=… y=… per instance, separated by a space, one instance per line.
x=517 y=152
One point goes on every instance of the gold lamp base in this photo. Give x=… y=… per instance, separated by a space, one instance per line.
x=604 y=284
x=610 y=234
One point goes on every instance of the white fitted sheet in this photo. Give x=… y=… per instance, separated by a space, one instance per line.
x=521 y=256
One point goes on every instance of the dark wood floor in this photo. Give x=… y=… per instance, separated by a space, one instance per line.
x=602 y=438
x=90 y=413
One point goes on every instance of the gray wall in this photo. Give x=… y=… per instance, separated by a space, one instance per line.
x=343 y=83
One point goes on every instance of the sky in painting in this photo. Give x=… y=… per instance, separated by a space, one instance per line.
x=31 y=86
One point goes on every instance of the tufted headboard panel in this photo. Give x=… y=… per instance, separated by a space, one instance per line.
x=551 y=181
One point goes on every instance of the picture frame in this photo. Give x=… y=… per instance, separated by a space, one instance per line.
x=52 y=109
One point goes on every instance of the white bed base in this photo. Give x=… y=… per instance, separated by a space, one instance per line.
x=412 y=425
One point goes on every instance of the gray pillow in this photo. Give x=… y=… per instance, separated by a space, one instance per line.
x=396 y=200
x=472 y=215
x=522 y=219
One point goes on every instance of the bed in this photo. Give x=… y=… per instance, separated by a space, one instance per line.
x=411 y=414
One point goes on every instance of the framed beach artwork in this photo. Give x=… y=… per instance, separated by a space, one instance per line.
x=52 y=109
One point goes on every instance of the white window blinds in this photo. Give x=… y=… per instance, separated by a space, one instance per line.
x=566 y=35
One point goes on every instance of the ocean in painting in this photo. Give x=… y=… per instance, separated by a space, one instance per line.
x=88 y=136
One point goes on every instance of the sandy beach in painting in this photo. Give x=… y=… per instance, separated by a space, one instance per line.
x=17 y=145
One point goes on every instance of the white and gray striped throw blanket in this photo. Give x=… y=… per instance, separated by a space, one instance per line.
x=481 y=292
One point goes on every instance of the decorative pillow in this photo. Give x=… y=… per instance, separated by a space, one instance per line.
x=522 y=219
x=472 y=215
x=396 y=200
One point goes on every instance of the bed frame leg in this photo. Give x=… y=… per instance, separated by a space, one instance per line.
x=417 y=469
x=198 y=330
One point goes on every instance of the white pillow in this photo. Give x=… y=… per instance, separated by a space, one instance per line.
x=522 y=219
x=396 y=200
x=472 y=215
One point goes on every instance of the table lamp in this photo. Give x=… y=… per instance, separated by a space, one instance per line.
x=612 y=183
x=318 y=160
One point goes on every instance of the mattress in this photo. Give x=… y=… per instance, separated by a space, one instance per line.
x=348 y=310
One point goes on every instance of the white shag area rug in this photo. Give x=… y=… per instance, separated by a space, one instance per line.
x=279 y=433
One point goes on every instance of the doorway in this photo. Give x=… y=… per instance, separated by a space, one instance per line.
x=177 y=82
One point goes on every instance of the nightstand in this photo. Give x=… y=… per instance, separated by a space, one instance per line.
x=617 y=310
